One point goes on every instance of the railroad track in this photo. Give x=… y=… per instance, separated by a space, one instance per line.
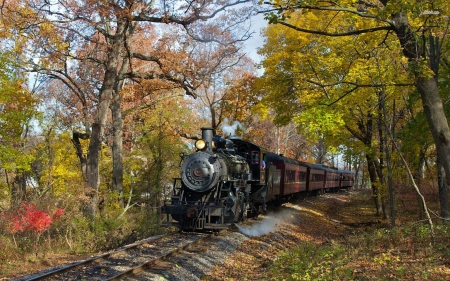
x=125 y=261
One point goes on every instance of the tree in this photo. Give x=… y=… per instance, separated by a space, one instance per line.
x=156 y=145
x=17 y=111
x=416 y=26
x=239 y=96
x=220 y=73
x=320 y=81
x=108 y=29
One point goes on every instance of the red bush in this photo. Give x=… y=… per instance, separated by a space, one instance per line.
x=29 y=218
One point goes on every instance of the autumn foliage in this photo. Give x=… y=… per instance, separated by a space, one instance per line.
x=28 y=217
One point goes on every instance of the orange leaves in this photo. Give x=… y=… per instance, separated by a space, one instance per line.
x=239 y=98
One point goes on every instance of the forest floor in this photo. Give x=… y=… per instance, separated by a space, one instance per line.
x=335 y=236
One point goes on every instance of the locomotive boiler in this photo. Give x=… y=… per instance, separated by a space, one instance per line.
x=213 y=189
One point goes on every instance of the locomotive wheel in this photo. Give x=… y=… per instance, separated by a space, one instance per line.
x=254 y=211
x=243 y=213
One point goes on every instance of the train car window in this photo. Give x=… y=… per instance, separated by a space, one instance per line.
x=290 y=176
x=302 y=176
x=255 y=157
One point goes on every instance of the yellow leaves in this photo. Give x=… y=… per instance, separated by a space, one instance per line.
x=421 y=69
x=16 y=103
x=385 y=258
x=319 y=121
x=46 y=29
x=321 y=81
x=60 y=170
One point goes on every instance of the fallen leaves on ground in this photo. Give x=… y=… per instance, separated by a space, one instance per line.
x=331 y=219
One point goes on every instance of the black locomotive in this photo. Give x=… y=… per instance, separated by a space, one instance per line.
x=227 y=180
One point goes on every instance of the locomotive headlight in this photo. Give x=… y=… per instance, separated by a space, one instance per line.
x=200 y=144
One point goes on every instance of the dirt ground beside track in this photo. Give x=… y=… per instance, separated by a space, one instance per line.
x=348 y=219
x=328 y=218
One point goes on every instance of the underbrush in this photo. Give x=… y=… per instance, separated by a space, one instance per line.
x=22 y=242
x=404 y=253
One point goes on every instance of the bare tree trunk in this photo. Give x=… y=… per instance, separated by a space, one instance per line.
x=443 y=191
x=117 y=150
x=106 y=95
x=92 y=168
x=365 y=135
x=376 y=185
x=159 y=167
x=19 y=188
x=117 y=118
x=382 y=128
x=76 y=136
x=388 y=130
x=437 y=121
x=421 y=168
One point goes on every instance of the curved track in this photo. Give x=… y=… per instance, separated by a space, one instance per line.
x=125 y=261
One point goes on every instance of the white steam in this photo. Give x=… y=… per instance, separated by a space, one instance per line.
x=230 y=129
x=267 y=225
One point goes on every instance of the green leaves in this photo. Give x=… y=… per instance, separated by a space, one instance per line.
x=318 y=121
x=16 y=111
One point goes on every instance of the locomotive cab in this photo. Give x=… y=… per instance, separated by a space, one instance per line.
x=255 y=158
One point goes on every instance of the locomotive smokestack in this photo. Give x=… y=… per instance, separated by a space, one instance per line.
x=207 y=136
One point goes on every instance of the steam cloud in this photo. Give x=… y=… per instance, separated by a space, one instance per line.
x=267 y=225
x=230 y=129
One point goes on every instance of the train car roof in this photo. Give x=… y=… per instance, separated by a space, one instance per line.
x=273 y=157
x=346 y=172
x=328 y=168
x=247 y=146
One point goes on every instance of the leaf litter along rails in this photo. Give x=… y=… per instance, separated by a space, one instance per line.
x=322 y=220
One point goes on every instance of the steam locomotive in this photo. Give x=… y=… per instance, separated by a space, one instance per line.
x=227 y=180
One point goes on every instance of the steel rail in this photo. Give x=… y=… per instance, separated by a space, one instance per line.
x=92 y=259
x=148 y=264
